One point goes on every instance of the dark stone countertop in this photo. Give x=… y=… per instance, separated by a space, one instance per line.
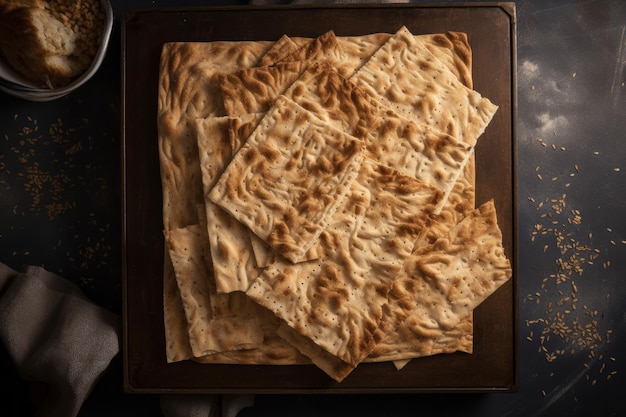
x=60 y=208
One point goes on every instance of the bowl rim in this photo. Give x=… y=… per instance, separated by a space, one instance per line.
x=41 y=94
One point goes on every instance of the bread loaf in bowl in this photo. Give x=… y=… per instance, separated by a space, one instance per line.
x=50 y=43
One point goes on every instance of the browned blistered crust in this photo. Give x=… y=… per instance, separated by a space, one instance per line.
x=298 y=108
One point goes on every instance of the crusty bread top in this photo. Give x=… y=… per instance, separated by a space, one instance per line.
x=39 y=47
x=50 y=43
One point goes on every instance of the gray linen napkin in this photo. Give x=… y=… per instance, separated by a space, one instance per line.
x=193 y=405
x=55 y=336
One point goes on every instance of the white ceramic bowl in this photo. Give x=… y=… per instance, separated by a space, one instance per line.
x=14 y=84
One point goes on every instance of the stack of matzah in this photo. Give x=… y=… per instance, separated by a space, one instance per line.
x=319 y=200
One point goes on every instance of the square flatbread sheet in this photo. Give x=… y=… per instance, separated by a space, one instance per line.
x=414 y=149
x=260 y=83
x=337 y=301
x=187 y=91
x=441 y=284
x=274 y=350
x=232 y=255
x=400 y=345
x=286 y=182
x=404 y=75
x=254 y=90
x=281 y=49
x=215 y=322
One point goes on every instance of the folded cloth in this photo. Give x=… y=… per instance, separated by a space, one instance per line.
x=55 y=336
x=6 y=274
x=233 y=404
x=190 y=405
x=198 y=405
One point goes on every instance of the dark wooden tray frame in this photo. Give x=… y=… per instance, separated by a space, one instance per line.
x=491 y=28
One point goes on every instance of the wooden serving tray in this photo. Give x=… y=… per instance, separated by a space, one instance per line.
x=492 y=35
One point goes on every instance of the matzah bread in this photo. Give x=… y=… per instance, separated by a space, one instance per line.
x=337 y=301
x=282 y=48
x=321 y=294
x=404 y=75
x=211 y=326
x=285 y=183
x=234 y=263
x=273 y=351
x=187 y=92
x=177 y=345
x=442 y=283
x=413 y=149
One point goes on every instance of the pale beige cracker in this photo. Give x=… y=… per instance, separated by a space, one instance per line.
x=232 y=256
x=285 y=183
x=337 y=301
x=440 y=284
x=404 y=75
x=211 y=324
x=186 y=91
